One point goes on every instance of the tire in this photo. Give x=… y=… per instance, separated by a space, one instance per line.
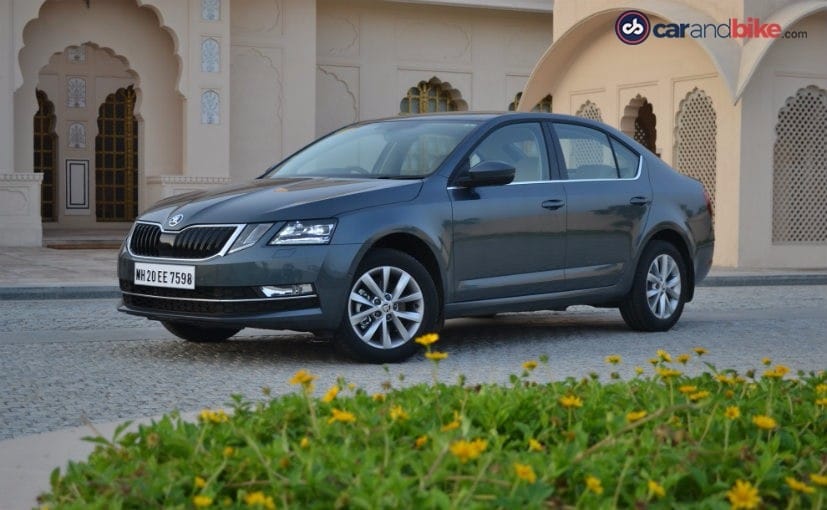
x=655 y=302
x=382 y=321
x=199 y=334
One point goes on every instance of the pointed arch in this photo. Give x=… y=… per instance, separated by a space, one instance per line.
x=696 y=134
x=590 y=110
x=639 y=122
x=799 y=161
x=431 y=96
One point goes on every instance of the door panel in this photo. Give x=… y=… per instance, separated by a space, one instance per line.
x=510 y=240
x=506 y=243
x=608 y=201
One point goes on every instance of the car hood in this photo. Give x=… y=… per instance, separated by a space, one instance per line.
x=269 y=200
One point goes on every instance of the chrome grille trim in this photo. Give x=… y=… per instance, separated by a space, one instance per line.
x=192 y=236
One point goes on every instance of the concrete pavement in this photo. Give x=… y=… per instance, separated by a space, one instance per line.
x=41 y=273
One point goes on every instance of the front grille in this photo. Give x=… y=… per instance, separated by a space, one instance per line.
x=191 y=243
x=217 y=308
x=197 y=293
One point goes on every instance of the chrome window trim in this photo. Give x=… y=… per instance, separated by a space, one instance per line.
x=206 y=300
x=238 y=228
x=636 y=177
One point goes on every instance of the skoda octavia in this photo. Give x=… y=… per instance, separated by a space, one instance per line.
x=380 y=231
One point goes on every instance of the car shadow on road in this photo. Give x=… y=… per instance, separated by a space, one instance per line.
x=281 y=348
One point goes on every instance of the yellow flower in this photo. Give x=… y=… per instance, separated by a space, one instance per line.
x=529 y=365
x=302 y=377
x=428 y=339
x=687 y=388
x=663 y=355
x=397 y=413
x=799 y=486
x=743 y=495
x=525 y=472
x=570 y=401
x=331 y=394
x=821 y=402
x=766 y=361
x=342 y=416
x=613 y=359
x=436 y=355
x=764 y=422
x=666 y=373
x=777 y=372
x=378 y=397
x=729 y=393
x=698 y=396
x=421 y=441
x=639 y=370
x=305 y=442
x=593 y=484
x=634 y=416
x=258 y=499
x=726 y=379
x=818 y=479
x=468 y=450
x=535 y=446
x=201 y=501
x=228 y=451
x=656 y=489
x=732 y=412
x=683 y=358
x=210 y=416
x=821 y=388
x=654 y=361
x=199 y=482
x=700 y=351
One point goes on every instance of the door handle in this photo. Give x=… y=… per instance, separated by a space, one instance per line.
x=553 y=204
x=639 y=200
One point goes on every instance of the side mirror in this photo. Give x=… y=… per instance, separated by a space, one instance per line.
x=487 y=173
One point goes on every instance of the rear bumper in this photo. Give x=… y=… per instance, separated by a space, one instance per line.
x=703 y=261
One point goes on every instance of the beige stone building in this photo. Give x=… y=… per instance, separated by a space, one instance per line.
x=109 y=105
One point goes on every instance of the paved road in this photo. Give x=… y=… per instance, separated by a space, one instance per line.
x=61 y=361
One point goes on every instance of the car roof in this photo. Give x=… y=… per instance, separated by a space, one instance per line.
x=481 y=116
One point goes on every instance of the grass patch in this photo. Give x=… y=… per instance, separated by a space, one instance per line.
x=660 y=440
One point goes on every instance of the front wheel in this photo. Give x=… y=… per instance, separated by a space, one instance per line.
x=392 y=300
x=199 y=334
x=658 y=293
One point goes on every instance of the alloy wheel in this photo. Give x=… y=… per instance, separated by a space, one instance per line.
x=663 y=286
x=386 y=307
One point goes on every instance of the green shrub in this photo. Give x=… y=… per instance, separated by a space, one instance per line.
x=660 y=440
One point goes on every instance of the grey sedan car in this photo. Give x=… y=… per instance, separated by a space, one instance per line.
x=380 y=231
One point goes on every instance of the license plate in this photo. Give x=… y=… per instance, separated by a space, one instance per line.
x=165 y=275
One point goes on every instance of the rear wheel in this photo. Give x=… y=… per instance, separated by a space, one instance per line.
x=392 y=300
x=658 y=293
x=200 y=334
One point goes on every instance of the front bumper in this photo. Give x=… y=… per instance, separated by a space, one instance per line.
x=227 y=288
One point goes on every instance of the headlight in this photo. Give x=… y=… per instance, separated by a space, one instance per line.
x=305 y=232
x=249 y=236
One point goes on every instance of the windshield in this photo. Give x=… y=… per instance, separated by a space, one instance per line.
x=389 y=150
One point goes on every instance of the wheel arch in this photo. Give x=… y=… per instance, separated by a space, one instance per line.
x=673 y=236
x=415 y=246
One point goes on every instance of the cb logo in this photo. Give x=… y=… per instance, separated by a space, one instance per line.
x=632 y=27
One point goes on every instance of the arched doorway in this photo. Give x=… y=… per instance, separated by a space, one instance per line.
x=45 y=154
x=116 y=158
x=640 y=123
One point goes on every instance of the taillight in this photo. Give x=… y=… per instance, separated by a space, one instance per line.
x=708 y=203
